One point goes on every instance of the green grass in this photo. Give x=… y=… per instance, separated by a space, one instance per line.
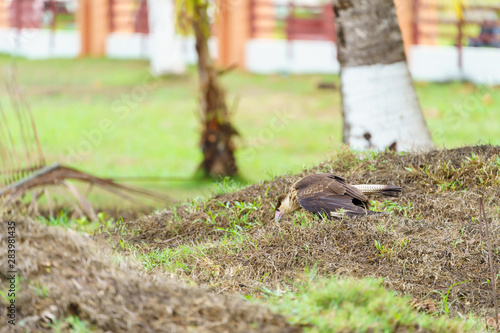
x=82 y=225
x=319 y=304
x=352 y=305
x=284 y=121
x=71 y=324
x=459 y=114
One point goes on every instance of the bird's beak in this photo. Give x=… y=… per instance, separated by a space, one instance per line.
x=278 y=215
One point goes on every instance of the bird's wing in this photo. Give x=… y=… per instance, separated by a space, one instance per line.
x=326 y=193
x=326 y=184
x=333 y=205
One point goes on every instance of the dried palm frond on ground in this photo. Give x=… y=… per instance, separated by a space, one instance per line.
x=428 y=240
x=59 y=175
x=61 y=275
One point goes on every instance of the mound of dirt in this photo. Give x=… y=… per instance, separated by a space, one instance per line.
x=61 y=275
x=429 y=238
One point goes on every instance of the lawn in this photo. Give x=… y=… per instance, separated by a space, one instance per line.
x=109 y=118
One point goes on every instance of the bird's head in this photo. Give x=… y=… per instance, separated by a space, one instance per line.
x=283 y=207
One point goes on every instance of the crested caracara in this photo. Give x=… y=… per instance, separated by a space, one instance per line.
x=330 y=195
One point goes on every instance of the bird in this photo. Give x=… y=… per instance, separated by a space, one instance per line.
x=326 y=194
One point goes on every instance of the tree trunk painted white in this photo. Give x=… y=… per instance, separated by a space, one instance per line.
x=166 y=56
x=379 y=103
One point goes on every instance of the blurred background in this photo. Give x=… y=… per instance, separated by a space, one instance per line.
x=113 y=89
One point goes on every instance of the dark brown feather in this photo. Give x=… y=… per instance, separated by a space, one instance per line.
x=391 y=191
x=325 y=193
x=280 y=199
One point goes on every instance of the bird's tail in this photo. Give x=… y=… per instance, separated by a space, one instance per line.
x=339 y=215
x=387 y=190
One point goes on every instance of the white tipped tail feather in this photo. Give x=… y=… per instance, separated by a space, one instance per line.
x=387 y=190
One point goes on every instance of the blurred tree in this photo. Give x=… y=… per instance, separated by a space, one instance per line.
x=217 y=132
x=379 y=103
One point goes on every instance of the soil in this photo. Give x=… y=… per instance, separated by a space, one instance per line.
x=62 y=273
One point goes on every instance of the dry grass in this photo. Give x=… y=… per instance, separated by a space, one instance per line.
x=61 y=275
x=429 y=238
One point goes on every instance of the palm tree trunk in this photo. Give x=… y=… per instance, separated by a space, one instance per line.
x=217 y=132
x=379 y=103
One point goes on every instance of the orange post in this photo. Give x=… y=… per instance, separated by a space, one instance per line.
x=404 y=11
x=429 y=12
x=409 y=13
x=93 y=19
x=264 y=19
x=232 y=31
x=122 y=20
x=4 y=14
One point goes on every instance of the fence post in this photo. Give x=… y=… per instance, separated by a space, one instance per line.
x=405 y=12
x=93 y=22
x=415 y=22
x=165 y=46
x=460 y=35
x=4 y=16
x=329 y=23
x=17 y=17
x=289 y=32
x=251 y=17
x=234 y=29
x=110 y=15
x=222 y=28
